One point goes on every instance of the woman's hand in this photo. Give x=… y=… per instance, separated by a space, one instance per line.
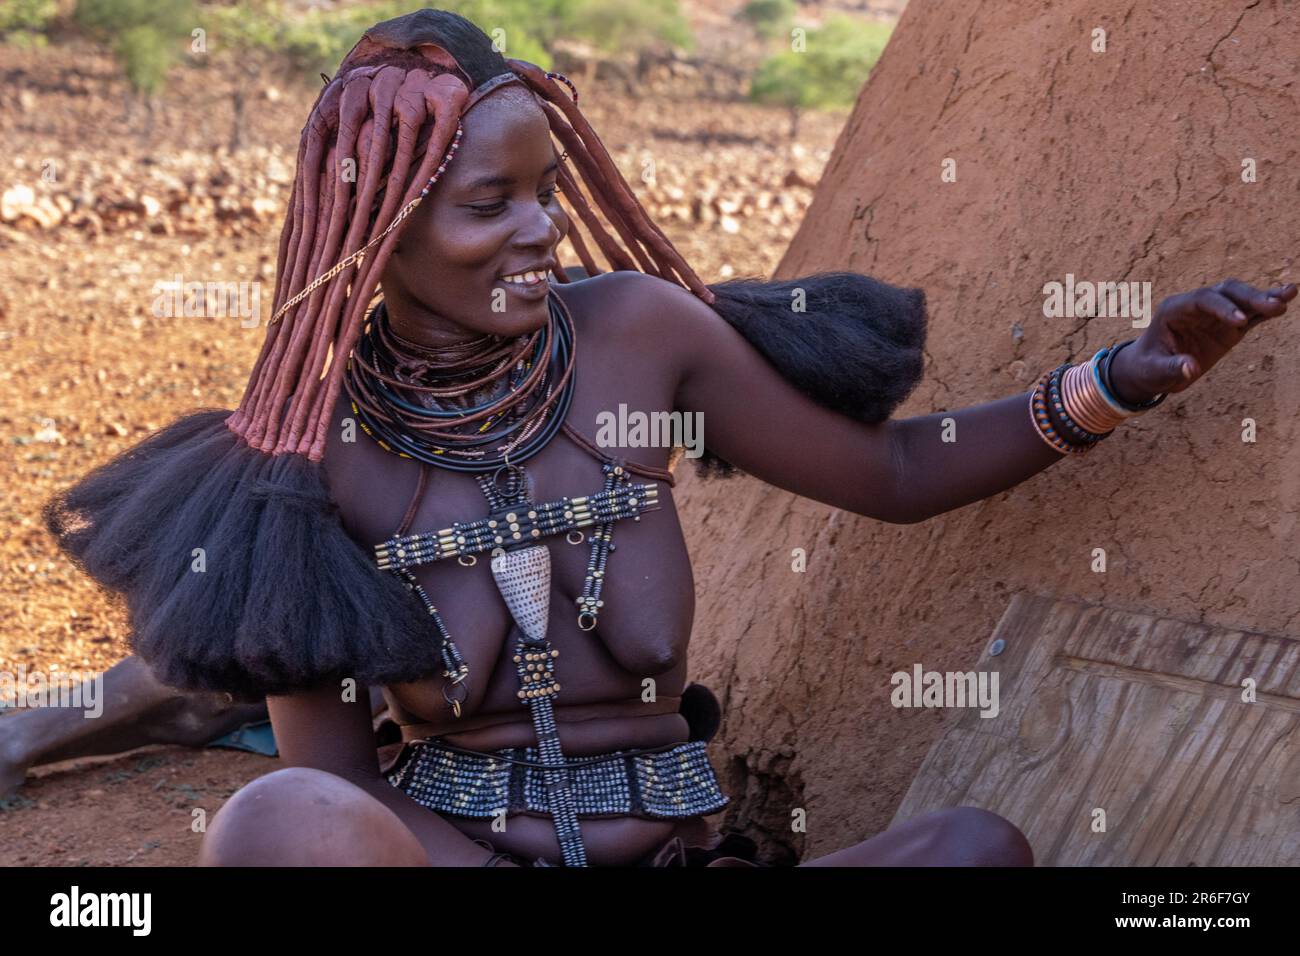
x=1189 y=333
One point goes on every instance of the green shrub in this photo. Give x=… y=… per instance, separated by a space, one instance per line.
x=768 y=17
x=827 y=73
x=24 y=23
x=147 y=36
x=145 y=57
x=617 y=26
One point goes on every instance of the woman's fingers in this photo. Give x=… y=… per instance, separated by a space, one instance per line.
x=1257 y=303
x=1219 y=305
x=1170 y=373
x=1198 y=327
x=1282 y=294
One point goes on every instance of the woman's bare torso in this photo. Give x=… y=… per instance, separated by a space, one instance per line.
x=644 y=625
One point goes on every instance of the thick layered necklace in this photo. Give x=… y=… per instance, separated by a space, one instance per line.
x=473 y=406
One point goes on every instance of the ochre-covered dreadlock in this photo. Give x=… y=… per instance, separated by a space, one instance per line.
x=220 y=530
x=328 y=276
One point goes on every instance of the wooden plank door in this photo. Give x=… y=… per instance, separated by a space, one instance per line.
x=1124 y=739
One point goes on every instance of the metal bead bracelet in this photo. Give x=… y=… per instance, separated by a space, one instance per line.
x=1075 y=406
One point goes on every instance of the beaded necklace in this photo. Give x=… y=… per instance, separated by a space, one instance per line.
x=379 y=378
x=515 y=522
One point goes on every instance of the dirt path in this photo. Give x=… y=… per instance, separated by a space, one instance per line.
x=137 y=809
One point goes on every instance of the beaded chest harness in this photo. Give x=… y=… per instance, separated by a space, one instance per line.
x=515 y=526
x=521 y=567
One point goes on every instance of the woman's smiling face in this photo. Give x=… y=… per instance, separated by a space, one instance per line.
x=494 y=213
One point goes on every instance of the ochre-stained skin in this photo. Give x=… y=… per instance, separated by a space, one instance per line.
x=648 y=341
x=367 y=112
x=649 y=597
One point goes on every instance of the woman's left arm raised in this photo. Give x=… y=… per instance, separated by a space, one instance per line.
x=904 y=470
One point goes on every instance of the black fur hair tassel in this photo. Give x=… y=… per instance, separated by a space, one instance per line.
x=857 y=346
x=237 y=572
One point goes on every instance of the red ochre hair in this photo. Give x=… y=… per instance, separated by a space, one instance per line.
x=398 y=96
x=219 y=530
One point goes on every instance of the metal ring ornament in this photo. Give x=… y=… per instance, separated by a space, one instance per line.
x=455 y=702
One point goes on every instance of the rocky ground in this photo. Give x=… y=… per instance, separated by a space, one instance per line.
x=99 y=201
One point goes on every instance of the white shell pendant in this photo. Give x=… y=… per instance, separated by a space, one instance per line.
x=524 y=579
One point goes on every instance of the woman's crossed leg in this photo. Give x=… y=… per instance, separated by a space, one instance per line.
x=304 y=817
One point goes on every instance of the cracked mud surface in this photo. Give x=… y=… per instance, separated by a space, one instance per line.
x=1109 y=166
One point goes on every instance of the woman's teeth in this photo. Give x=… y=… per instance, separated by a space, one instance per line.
x=525 y=278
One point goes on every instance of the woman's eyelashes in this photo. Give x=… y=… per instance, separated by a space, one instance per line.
x=491 y=209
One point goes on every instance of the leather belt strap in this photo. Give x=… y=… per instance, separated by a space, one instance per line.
x=565 y=715
x=645 y=471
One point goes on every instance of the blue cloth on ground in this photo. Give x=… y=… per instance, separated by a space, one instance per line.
x=256 y=738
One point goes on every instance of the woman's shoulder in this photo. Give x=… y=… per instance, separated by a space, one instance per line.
x=616 y=300
x=633 y=312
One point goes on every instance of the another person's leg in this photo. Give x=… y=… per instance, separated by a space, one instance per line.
x=959 y=836
x=137 y=711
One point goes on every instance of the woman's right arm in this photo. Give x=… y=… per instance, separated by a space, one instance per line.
x=318 y=729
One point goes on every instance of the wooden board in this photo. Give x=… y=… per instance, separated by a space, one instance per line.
x=1141 y=717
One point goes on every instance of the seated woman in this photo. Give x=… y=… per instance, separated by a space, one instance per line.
x=416 y=497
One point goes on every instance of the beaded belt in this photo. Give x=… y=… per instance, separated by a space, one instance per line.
x=671 y=783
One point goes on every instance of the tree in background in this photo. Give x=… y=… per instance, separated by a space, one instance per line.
x=23 y=22
x=248 y=37
x=242 y=39
x=315 y=42
x=146 y=36
x=823 y=69
x=614 y=27
x=768 y=17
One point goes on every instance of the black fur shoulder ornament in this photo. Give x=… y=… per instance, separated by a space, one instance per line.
x=856 y=348
x=237 y=572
